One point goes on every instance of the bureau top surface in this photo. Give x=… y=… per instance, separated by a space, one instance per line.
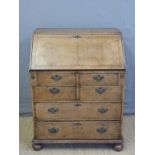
x=76 y=49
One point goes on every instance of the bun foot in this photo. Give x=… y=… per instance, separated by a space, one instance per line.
x=37 y=147
x=118 y=147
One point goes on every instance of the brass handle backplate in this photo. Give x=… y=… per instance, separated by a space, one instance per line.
x=53 y=130
x=54 y=90
x=56 y=77
x=77 y=36
x=101 y=130
x=100 y=90
x=98 y=77
x=53 y=110
x=32 y=77
x=102 y=110
x=77 y=124
x=77 y=104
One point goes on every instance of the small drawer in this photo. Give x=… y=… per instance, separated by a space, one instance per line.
x=78 y=111
x=98 y=78
x=50 y=78
x=78 y=130
x=54 y=93
x=101 y=93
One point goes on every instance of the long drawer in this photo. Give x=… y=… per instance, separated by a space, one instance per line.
x=78 y=111
x=101 y=93
x=78 y=130
x=54 y=93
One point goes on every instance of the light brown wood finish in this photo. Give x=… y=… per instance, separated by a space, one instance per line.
x=33 y=78
x=78 y=130
x=81 y=51
x=87 y=93
x=99 y=50
x=77 y=78
x=78 y=111
x=49 y=94
x=48 y=78
x=122 y=78
x=73 y=31
x=107 y=93
x=98 y=78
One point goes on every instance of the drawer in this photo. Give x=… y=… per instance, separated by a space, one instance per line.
x=78 y=130
x=101 y=93
x=99 y=78
x=78 y=111
x=50 y=78
x=54 y=93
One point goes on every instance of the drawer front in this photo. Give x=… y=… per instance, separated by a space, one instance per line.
x=78 y=130
x=101 y=93
x=98 y=79
x=54 y=93
x=56 y=78
x=78 y=111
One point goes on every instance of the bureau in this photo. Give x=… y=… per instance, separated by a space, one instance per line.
x=77 y=80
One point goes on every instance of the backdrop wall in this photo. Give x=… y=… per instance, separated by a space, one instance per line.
x=76 y=14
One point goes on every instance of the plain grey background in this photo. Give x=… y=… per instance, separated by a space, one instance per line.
x=76 y=14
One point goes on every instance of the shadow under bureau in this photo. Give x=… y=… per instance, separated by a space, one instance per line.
x=77 y=79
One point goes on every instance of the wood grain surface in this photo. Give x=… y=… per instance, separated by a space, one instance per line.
x=76 y=50
x=78 y=130
x=78 y=111
x=77 y=78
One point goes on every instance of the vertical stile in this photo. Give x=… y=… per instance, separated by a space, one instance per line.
x=77 y=86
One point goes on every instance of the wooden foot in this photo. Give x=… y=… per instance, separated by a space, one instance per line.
x=118 y=147
x=37 y=147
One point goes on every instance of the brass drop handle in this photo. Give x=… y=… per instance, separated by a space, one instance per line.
x=76 y=36
x=77 y=124
x=56 y=77
x=100 y=90
x=53 y=130
x=98 y=77
x=53 y=110
x=102 y=110
x=101 y=130
x=54 y=90
x=32 y=77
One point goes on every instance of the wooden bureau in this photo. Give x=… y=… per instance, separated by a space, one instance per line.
x=77 y=79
